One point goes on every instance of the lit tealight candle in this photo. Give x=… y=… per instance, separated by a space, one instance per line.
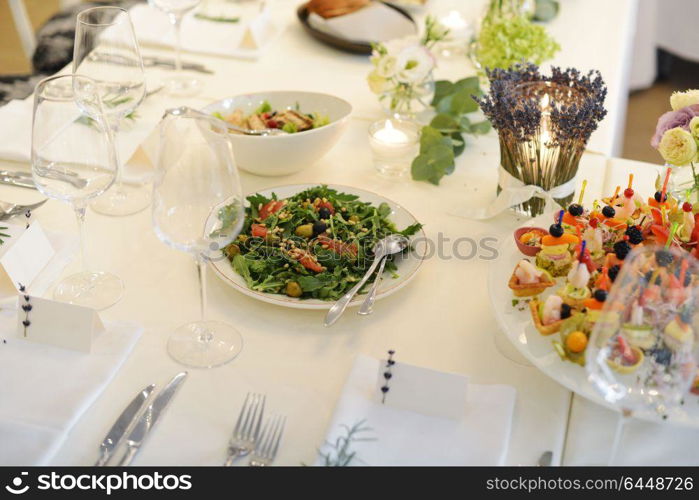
x=394 y=144
x=390 y=135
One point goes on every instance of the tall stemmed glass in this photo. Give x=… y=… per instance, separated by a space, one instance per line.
x=106 y=50
x=197 y=208
x=74 y=160
x=181 y=85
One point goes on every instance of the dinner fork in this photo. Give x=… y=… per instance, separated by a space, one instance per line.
x=8 y=210
x=268 y=444
x=247 y=428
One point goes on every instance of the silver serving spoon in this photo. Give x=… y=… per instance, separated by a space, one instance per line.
x=184 y=110
x=339 y=307
x=395 y=243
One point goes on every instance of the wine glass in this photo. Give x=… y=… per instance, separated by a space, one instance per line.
x=197 y=208
x=106 y=50
x=74 y=160
x=181 y=85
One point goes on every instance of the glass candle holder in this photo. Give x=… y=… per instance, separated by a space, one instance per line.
x=394 y=144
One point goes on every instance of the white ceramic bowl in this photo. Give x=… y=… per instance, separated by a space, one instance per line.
x=285 y=154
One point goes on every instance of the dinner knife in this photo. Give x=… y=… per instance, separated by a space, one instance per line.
x=125 y=420
x=149 y=418
x=15 y=181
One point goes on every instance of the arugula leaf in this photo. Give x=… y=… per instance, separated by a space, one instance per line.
x=240 y=264
x=411 y=230
x=265 y=107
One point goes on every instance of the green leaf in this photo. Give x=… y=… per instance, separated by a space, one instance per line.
x=240 y=264
x=384 y=210
x=480 y=128
x=436 y=162
x=470 y=84
x=431 y=137
x=463 y=103
x=458 y=143
x=442 y=88
x=445 y=124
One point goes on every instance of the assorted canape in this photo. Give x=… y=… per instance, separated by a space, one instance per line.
x=648 y=316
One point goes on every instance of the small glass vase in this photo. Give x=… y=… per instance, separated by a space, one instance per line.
x=409 y=101
x=683 y=182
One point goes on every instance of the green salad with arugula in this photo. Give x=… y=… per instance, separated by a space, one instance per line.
x=314 y=245
x=291 y=120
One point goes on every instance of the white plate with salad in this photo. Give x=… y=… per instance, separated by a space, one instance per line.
x=304 y=246
x=313 y=121
x=514 y=318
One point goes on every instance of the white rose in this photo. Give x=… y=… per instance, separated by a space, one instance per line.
x=414 y=64
x=679 y=100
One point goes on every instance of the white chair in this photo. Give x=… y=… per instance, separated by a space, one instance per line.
x=24 y=25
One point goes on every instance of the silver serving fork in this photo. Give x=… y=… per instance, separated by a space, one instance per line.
x=247 y=428
x=268 y=444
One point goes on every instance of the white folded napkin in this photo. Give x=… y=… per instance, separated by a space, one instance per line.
x=16 y=133
x=245 y=39
x=45 y=390
x=375 y=23
x=403 y=437
x=16 y=130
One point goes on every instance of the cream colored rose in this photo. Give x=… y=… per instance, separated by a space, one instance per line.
x=377 y=83
x=694 y=127
x=386 y=66
x=679 y=100
x=678 y=147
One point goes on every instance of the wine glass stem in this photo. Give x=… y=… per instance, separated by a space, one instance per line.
x=80 y=215
x=114 y=125
x=176 y=21
x=204 y=335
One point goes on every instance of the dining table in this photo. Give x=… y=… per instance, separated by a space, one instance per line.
x=443 y=319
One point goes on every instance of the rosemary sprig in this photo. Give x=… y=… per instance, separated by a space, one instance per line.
x=216 y=19
x=340 y=453
x=110 y=102
x=3 y=235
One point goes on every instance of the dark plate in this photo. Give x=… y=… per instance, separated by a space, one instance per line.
x=341 y=43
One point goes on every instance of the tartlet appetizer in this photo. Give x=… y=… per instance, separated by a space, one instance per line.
x=528 y=280
x=625 y=358
x=548 y=316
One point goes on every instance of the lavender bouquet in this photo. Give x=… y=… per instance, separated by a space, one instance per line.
x=543 y=123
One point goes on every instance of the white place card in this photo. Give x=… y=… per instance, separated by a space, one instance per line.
x=257 y=32
x=22 y=257
x=422 y=390
x=56 y=323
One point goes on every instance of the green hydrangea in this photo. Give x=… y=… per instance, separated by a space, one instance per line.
x=505 y=42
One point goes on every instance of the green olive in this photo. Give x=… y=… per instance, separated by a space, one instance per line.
x=305 y=231
x=293 y=289
x=231 y=250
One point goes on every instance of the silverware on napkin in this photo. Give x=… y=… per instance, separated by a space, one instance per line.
x=149 y=418
x=268 y=444
x=122 y=425
x=148 y=61
x=247 y=428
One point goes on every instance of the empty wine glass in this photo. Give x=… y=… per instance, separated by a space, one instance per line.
x=197 y=208
x=106 y=50
x=181 y=85
x=74 y=160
